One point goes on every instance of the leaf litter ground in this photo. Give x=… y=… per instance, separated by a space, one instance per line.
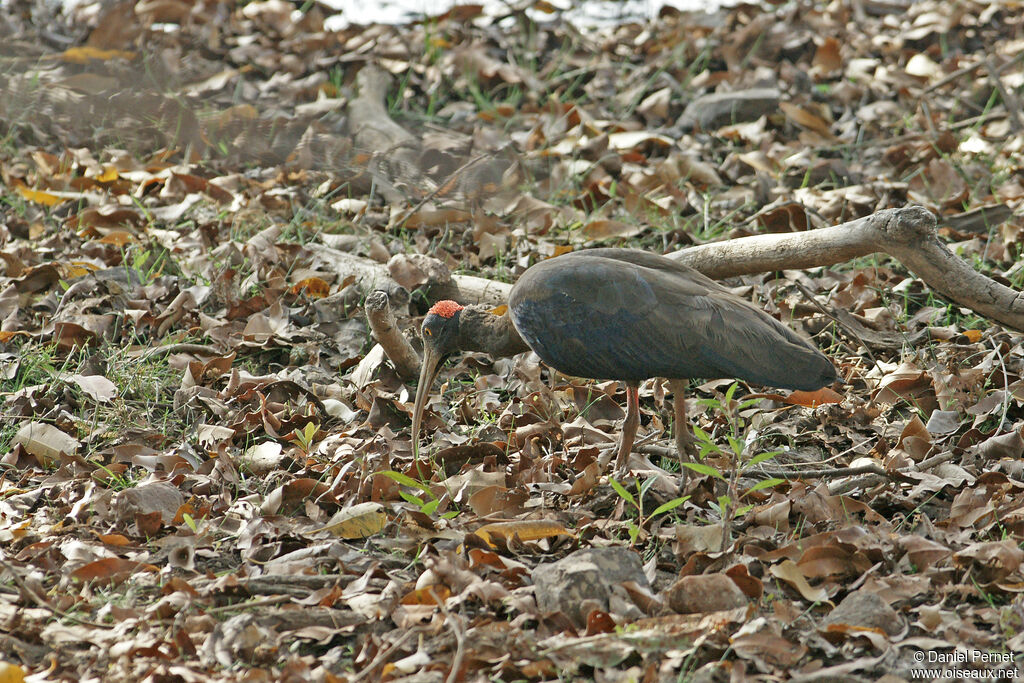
x=206 y=468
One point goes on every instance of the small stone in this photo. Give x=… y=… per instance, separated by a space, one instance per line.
x=704 y=593
x=865 y=610
x=585 y=580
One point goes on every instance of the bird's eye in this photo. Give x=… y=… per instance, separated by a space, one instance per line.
x=427 y=331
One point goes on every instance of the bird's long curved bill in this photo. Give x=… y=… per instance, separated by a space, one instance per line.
x=428 y=372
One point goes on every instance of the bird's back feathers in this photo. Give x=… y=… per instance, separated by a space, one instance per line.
x=627 y=314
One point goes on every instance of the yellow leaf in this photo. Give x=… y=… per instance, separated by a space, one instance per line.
x=358 y=521
x=109 y=174
x=973 y=335
x=118 y=238
x=428 y=595
x=79 y=268
x=82 y=55
x=39 y=197
x=312 y=287
x=11 y=673
x=818 y=397
x=529 y=530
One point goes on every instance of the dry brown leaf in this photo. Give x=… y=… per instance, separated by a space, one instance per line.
x=806 y=119
x=97 y=387
x=46 y=442
x=605 y=229
x=922 y=552
x=827 y=58
x=790 y=572
x=359 y=521
x=529 y=530
x=939 y=183
x=111 y=570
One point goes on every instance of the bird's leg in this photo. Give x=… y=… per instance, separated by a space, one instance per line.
x=629 y=427
x=684 y=438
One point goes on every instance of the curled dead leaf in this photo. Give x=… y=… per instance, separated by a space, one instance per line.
x=529 y=530
x=790 y=572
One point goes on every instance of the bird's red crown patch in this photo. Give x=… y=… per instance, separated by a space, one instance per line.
x=445 y=309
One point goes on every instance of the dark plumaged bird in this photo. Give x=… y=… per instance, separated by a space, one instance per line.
x=628 y=315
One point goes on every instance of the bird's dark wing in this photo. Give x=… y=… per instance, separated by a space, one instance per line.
x=626 y=314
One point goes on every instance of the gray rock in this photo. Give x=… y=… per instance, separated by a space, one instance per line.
x=866 y=610
x=587 y=579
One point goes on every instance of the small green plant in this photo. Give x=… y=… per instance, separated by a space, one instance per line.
x=304 y=438
x=114 y=480
x=428 y=504
x=738 y=444
x=147 y=264
x=638 y=504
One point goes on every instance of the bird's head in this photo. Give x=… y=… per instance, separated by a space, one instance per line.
x=440 y=332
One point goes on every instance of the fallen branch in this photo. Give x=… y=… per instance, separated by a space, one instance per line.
x=370 y=275
x=385 y=330
x=907 y=234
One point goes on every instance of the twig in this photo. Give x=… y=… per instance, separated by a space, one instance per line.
x=183 y=347
x=979 y=119
x=381 y=657
x=276 y=600
x=838 y=455
x=1006 y=382
x=872 y=479
x=872 y=469
x=971 y=68
x=949 y=78
x=1010 y=101
x=821 y=472
x=459 y=631
x=931 y=462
